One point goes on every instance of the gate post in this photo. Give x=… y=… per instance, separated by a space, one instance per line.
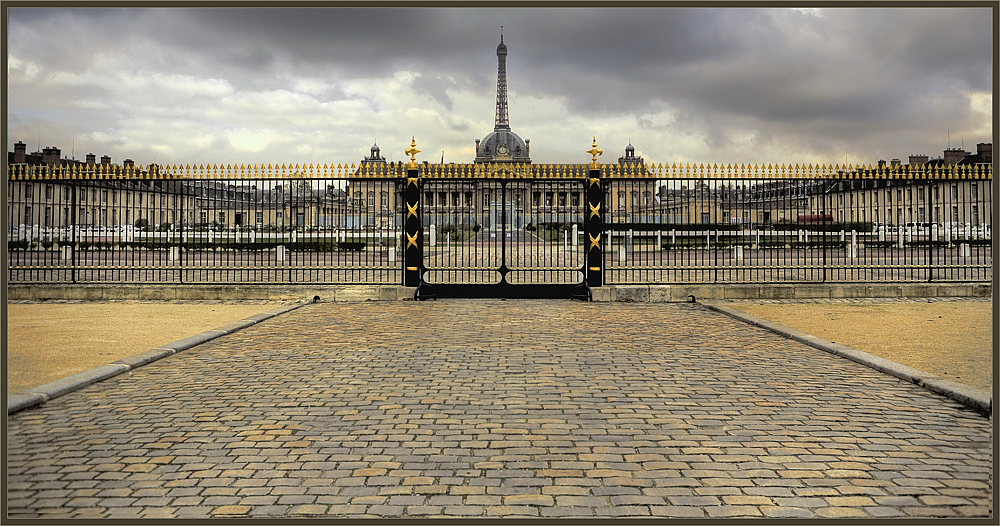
x=413 y=243
x=594 y=222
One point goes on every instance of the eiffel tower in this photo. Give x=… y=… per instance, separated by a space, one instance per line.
x=503 y=145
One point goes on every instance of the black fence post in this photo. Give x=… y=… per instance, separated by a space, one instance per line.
x=594 y=227
x=72 y=227
x=413 y=243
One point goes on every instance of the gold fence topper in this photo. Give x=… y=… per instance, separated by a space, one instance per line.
x=495 y=171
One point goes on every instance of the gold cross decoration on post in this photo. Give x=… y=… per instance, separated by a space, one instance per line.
x=595 y=151
x=412 y=151
x=594 y=210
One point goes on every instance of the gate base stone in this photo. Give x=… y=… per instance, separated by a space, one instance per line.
x=607 y=293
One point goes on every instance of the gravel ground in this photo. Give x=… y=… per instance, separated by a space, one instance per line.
x=49 y=341
x=950 y=337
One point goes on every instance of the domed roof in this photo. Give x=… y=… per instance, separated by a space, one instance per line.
x=502 y=145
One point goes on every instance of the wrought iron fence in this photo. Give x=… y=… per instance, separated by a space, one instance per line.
x=483 y=223
x=160 y=225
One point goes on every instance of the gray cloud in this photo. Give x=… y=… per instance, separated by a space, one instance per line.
x=702 y=84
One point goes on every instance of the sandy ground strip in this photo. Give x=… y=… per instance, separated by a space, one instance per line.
x=46 y=342
x=952 y=339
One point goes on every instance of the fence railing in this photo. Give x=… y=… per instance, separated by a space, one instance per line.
x=676 y=223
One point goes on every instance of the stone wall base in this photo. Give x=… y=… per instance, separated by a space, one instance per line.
x=621 y=293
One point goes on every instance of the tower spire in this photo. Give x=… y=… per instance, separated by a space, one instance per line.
x=502 y=122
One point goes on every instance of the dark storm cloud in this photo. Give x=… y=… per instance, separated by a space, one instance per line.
x=844 y=77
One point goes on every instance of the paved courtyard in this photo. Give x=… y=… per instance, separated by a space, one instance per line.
x=500 y=408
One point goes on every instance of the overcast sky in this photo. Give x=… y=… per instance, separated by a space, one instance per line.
x=320 y=85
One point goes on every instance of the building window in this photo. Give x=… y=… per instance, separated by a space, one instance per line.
x=27 y=215
x=975 y=215
x=429 y=197
x=468 y=199
x=28 y=190
x=548 y=198
x=954 y=191
x=204 y=217
x=259 y=216
x=975 y=191
x=371 y=198
x=536 y=198
x=454 y=200
x=385 y=200
x=48 y=192
x=163 y=216
x=486 y=199
x=222 y=218
x=920 y=213
x=562 y=199
x=954 y=214
x=104 y=196
x=920 y=193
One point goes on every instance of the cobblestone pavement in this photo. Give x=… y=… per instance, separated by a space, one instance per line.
x=500 y=408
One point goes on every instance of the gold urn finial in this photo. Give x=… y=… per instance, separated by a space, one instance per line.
x=595 y=151
x=412 y=151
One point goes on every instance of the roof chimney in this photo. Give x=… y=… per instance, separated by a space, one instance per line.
x=51 y=155
x=20 y=149
x=985 y=152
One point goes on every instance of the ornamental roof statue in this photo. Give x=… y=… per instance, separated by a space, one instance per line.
x=502 y=145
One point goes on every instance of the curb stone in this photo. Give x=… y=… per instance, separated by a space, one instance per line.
x=975 y=399
x=37 y=396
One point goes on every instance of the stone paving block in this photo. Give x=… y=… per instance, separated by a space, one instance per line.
x=685 y=414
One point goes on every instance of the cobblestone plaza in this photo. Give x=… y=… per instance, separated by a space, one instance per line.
x=500 y=409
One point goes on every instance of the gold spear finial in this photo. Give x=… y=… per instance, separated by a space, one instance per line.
x=412 y=151
x=594 y=151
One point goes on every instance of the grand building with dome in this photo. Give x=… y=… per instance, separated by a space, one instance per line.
x=526 y=201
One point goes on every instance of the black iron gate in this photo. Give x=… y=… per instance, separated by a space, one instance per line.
x=510 y=238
